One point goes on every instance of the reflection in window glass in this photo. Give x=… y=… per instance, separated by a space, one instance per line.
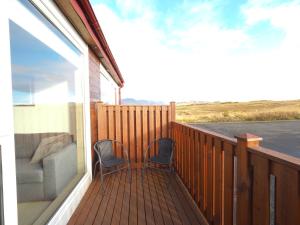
x=108 y=90
x=48 y=123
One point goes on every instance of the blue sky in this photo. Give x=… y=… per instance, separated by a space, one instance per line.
x=204 y=50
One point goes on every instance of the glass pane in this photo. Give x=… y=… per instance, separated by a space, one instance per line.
x=108 y=91
x=48 y=123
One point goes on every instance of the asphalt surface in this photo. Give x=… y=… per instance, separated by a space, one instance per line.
x=282 y=136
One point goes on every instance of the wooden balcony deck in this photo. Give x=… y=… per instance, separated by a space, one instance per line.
x=159 y=200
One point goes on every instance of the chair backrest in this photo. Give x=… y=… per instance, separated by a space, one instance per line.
x=165 y=148
x=104 y=150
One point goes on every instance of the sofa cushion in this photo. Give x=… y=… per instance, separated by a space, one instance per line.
x=27 y=172
x=26 y=144
x=46 y=149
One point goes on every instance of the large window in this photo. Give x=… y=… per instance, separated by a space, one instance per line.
x=48 y=115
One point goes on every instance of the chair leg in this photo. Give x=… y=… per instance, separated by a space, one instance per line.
x=129 y=173
x=144 y=170
x=171 y=170
x=101 y=179
x=94 y=173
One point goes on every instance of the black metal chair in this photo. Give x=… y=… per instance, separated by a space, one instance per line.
x=164 y=158
x=108 y=161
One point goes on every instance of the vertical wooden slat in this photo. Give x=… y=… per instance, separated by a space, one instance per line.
x=173 y=111
x=157 y=125
x=151 y=129
x=111 y=125
x=94 y=128
x=260 y=191
x=182 y=152
x=145 y=128
x=217 y=182
x=164 y=121
x=287 y=195
x=118 y=129
x=170 y=122
x=209 y=183
x=124 y=113
x=138 y=129
x=131 y=123
x=192 y=162
x=202 y=173
x=102 y=121
x=228 y=184
x=185 y=155
x=198 y=167
x=188 y=159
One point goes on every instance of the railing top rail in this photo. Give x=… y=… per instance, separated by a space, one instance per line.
x=232 y=141
x=276 y=156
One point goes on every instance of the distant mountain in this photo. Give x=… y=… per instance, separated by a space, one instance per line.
x=132 y=101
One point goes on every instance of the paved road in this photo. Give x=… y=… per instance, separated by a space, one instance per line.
x=282 y=136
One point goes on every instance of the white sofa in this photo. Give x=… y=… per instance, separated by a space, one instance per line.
x=46 y=179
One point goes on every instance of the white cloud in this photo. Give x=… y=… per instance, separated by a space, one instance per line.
x=201 y=60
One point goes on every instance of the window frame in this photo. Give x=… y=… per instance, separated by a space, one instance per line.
x=55 y=16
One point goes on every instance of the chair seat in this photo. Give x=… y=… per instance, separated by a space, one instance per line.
x=114 y=161
x=160 y=160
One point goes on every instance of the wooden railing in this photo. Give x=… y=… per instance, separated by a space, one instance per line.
x=235 y=181
x=205 y=162
x=134 y=126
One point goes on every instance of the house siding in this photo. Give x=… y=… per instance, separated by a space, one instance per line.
x=94 y=71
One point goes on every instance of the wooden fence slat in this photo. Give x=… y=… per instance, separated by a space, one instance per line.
x=124 y=114
x=209 y=184
x=102 y=124
x=186 y=156
x=118 y=130
x=203 y=177
x=228 y=174
x=164 y=121
x=217 y=182
x=151 y=130
x=132 y=146
x=197 y=168
x=260 y=191
x=138 y=137
x=287 y=197
x=145 y=129
x=157 y=125
x=170 y=124
x=192 y=162
x=111 y=125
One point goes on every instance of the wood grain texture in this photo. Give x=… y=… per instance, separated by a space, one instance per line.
x=134 y=126
x=157 y=200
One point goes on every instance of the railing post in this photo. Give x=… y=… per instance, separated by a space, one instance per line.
x=243 y=207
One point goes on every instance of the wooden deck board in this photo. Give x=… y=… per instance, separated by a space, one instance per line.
x=153 y=200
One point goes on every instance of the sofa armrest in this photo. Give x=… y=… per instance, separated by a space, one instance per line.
x=59 y=169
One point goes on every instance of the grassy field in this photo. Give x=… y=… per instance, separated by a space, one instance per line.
x=238 y=111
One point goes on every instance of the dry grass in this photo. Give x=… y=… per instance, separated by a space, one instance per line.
x=239 y=111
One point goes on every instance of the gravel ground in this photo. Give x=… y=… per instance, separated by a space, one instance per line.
x=282 y=136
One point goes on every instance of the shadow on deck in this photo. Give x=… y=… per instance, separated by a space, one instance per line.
x=160 y=199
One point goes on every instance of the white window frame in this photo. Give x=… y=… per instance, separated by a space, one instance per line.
x=50 y=10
